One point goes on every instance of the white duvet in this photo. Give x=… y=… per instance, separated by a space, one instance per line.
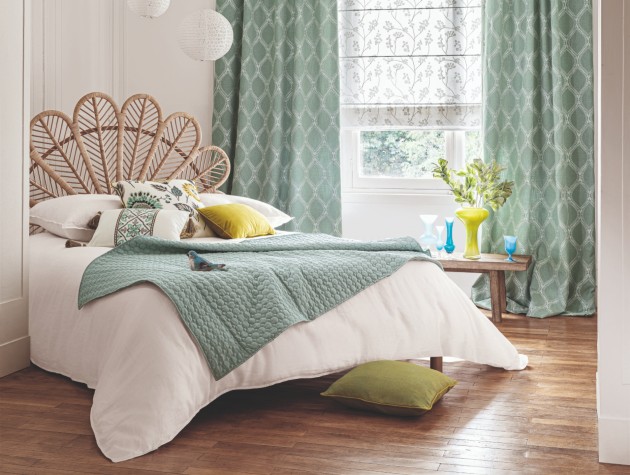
x=150 y=379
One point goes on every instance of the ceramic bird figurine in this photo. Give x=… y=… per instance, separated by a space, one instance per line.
x=199 y=263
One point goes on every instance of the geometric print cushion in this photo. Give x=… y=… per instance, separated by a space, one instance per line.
x=174 y=194
x=118 y=226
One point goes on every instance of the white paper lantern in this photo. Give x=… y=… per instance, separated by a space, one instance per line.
x=205 y=35
x=148 y=8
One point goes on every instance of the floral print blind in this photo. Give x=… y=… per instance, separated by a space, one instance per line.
x=410 y=63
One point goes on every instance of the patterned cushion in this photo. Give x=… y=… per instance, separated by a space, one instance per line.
x=174 y=194
x=116 y=227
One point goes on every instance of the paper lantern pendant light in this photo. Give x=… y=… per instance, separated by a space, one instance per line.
x=205 y=35
x=148 y=8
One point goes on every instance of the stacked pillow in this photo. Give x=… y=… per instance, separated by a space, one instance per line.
x=116 y=227
x=274 y=216
x=174 y=194
x=165 y=210
x=236 y=220
x=68 y=216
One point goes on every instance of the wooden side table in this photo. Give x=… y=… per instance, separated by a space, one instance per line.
x=495 y=265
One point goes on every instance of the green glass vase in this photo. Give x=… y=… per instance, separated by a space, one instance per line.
x=472 y=218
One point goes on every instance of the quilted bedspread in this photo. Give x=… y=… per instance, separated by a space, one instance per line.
x=270 y=284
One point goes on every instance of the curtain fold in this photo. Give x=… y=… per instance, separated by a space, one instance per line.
x=538 y=122
x=276 y=108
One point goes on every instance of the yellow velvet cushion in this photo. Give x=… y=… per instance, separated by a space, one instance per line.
x=235 y=220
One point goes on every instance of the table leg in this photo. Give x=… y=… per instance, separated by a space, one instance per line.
x=436 y=363
x=502 y=297
x=495 y=294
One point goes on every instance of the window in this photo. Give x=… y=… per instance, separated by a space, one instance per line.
x=410 y=89
x=399 y=153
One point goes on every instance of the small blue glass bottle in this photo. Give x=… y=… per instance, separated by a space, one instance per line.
x=449 y=247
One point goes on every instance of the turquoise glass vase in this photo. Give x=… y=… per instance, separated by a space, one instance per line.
x=472 y=219
x=449 y=247
x=510 y=247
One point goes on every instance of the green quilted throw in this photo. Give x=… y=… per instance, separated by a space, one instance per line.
x=270 y=284
x=276 y=108
x=538 y=122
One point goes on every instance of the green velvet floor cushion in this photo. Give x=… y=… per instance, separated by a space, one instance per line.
x=391 y=387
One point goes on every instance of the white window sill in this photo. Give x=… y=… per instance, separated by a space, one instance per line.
x=385 y=196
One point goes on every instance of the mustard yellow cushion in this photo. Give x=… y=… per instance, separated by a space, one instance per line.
x=235 y=220
x=391 y=387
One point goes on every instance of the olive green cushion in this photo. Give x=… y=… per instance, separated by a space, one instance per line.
x=391 y=387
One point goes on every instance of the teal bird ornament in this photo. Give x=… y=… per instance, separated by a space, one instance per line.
x=199 y=263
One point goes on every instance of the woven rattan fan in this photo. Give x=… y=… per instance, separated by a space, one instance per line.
x=103 y=144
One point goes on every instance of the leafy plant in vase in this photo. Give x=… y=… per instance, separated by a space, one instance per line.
x=475 y=187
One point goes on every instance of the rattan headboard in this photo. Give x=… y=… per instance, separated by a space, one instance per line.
x=104 y=143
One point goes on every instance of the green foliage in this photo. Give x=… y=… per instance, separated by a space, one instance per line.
x=400 y=153
x=477 y=184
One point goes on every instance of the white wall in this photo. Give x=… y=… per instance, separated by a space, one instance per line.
x=83 y=46
x=153 y=63
x=14 y=340
x=613 y=293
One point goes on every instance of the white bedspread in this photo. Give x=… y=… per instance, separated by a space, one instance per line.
x=150 y=379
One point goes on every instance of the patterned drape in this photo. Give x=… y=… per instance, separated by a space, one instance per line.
x=410 y=63
x=538 y=122
x=276 y=107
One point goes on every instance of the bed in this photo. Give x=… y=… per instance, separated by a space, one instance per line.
x=150 y=376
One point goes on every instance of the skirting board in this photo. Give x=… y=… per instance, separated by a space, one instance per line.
x=15 y=355
x=614 y=440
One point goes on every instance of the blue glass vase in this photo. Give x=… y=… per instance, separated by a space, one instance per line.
x=510 y=247
x=449 y=247
x=428 y=239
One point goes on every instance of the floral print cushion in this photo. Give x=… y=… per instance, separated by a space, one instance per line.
x=174 y=194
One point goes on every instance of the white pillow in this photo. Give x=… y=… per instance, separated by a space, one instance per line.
x=118 y=226
x=68 y=216
x=275 y=217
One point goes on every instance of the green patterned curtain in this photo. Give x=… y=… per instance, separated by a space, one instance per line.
x=276 y=108
x=538 y=122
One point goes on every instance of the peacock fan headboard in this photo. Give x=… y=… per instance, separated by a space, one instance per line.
x=103 y=144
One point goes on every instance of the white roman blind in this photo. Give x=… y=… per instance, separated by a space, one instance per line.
x=410 y=63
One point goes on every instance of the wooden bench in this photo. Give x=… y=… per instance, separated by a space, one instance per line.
x=495 y=265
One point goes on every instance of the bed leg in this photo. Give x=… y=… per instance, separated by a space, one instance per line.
x=436 y=363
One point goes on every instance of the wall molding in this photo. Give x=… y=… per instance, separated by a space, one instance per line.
x=99 y=45
x=15 y=95
x=119 y=59
x=614 y=440
x=612 y=41
x=72 y=57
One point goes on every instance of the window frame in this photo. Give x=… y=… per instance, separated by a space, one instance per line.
x=454 y=153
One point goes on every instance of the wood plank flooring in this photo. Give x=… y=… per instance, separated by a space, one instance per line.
x=541 y=420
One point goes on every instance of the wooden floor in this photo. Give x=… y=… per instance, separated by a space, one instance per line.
x=541 y=420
